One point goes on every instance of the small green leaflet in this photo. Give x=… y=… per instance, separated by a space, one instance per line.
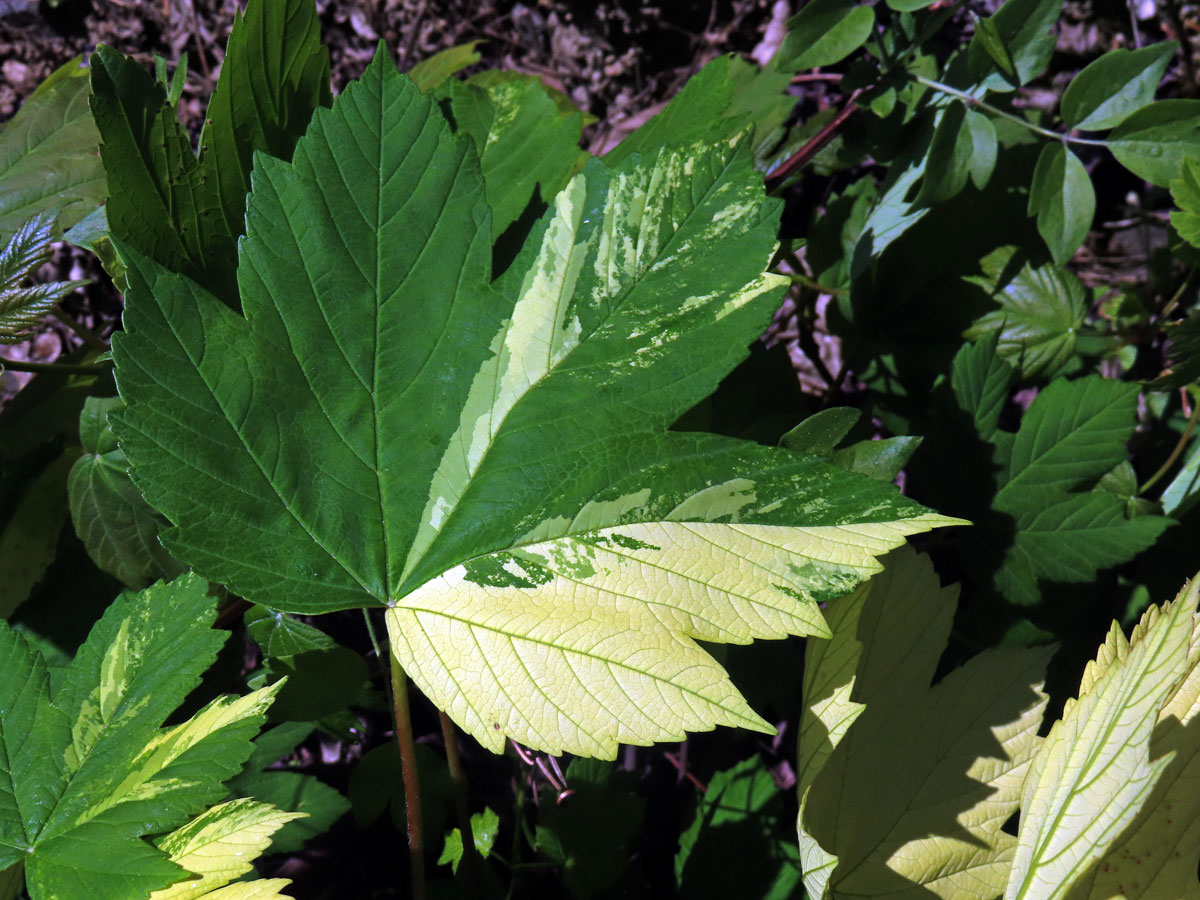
x=484 y=827
x=88 y=771
x=1062 y=198
x=491 y=461
x=1041 y=310
x=905 y=786
x=22 y=306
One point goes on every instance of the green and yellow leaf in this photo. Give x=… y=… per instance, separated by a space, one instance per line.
x=492 y=460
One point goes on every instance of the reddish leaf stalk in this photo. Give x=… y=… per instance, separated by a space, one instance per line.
x=815 y=144
x=412 y=787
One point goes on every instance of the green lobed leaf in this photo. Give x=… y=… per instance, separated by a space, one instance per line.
x=1062 y=198
x=1095 y=771
x=825 y=32
x=118 y=527
x=913 y=796
x=521 y=528
x=1041 y=311
x=220 y=845
x=484 y=827
x=1072 y=433
x=187 y=213
x=1114 y=86
x=93 y=771
x=49 y=164
x=526 y=146
x=1154 y=142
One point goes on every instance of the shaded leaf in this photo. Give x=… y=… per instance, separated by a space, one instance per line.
x=1183 y=354
x=1041 y=311
x=825 y=32
x=1114 y=86
x=1185 y=191
x=23 y=306
x=1063 y=200
x=49 y=154
x=118 y=527
x=1022 y=31
x=951 y=156
x=526 y=146
x=29 y=541
x=1154 y=141
x=913 y=797
x=430 y=73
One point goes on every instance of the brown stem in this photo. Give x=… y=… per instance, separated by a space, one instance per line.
x=412 y=787
x=814 y=145
x=458 y=778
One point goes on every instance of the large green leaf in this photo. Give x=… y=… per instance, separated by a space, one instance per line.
x=1041 y=310
x=49 y=154
x=1098 y=768
x=1155 y=141
x=187 y=212
x=912 y=798
x=492 y=461
x=89 y=770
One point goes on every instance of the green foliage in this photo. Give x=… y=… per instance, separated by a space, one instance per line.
x=88 y=767
x=22 y=306
x=48 y=155
x=184 y=211
x=1073 y=433
x=483 y=830
x=118 y=528
x=522 y=582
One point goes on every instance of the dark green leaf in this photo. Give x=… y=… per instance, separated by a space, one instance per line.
x=1041 y=311
x=49 y=160
x=187 y=213
x=319 y=683
x=950 y=157
x=1154 y=141
x=983 y=148
x=1023 y=31
x=1115 y=85
x=980 y=379
x=1185 y=191
x=118 y=527
x=825 y=32
x=987 y=35
x=821 y=432
x=1183 y=355
x=1063 y=200
x=281 y=636
x=741 y=842
x=880 y=459
x=29 y=540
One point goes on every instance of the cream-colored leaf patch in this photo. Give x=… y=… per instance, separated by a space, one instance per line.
x=581 y=643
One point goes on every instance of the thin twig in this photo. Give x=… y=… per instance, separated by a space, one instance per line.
x=16 y=365
x=1179 y=445
x=814 y=145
